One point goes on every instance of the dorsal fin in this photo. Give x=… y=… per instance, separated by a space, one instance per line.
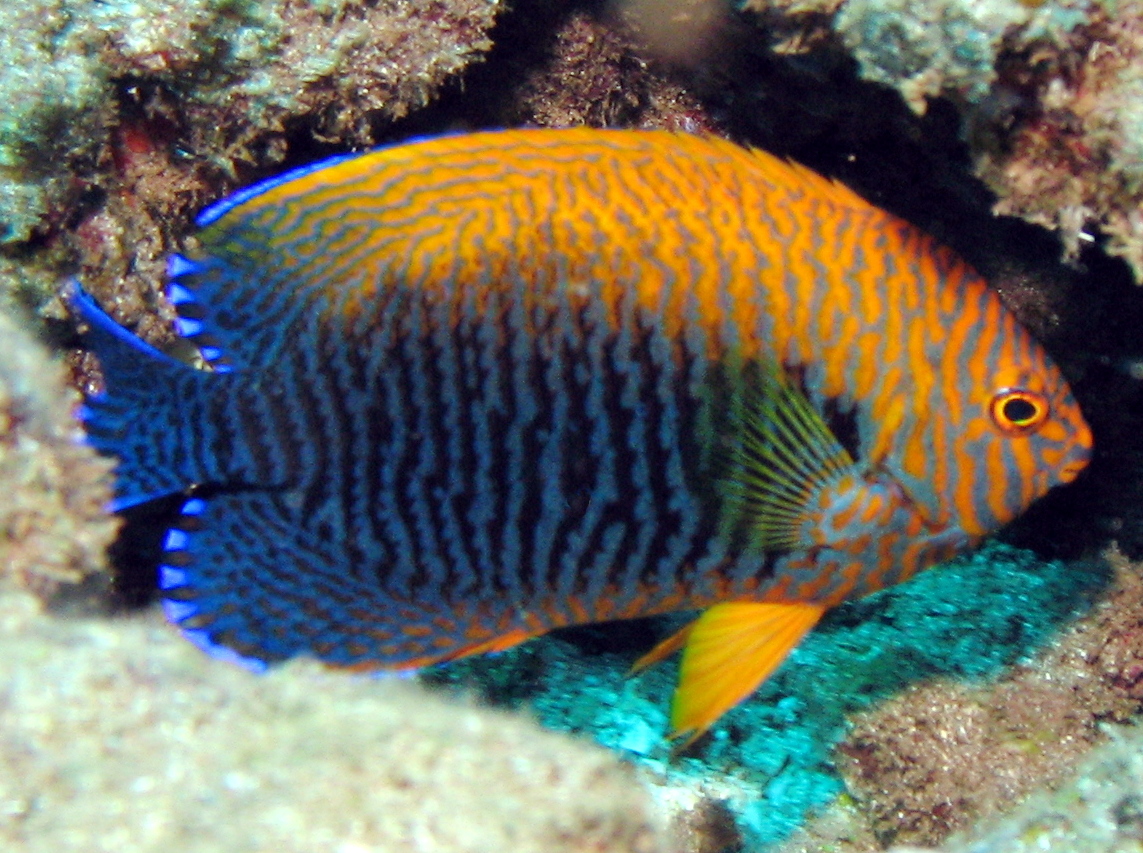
x=219 y=311
x=191 y=323
x=235 y=286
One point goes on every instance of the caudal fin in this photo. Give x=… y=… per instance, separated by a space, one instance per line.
x=141 y=418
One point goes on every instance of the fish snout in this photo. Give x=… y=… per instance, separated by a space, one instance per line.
x=1078 y=455
x=1075 y=465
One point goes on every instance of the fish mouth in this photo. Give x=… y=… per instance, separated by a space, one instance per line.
x=1078 y=457
x=1073 y=469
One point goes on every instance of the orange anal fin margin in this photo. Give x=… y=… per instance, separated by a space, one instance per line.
x=730 y=650
x=663 y=650
x=497 y=644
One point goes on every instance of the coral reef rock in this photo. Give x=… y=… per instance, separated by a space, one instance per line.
x=53 y=488
x=120 y=736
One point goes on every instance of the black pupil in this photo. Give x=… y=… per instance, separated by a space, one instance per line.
x=1019 y=411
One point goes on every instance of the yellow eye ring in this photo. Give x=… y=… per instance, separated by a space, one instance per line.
x=1017 y=411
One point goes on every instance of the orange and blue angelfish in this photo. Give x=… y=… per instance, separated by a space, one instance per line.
x=459 y=392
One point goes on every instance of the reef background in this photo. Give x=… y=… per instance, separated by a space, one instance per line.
x=1010 y=130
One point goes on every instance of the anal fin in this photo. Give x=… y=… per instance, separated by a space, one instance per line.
x=194 y=318
x=730 y=650
x=249 y=581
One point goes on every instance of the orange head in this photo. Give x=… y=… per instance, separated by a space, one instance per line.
x=992 y=425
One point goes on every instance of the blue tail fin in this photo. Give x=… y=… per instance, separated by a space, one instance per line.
x=141 y=418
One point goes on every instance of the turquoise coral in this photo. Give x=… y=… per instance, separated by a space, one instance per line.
x=944 y=47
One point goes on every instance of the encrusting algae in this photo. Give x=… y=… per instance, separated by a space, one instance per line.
x=465 y=391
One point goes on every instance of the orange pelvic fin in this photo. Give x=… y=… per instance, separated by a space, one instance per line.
x=730 y=650
x=663 y=649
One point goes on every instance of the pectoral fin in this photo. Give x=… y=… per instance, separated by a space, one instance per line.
x=777 y=454
x=730 y=650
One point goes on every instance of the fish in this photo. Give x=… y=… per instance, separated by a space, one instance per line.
x=458 y=392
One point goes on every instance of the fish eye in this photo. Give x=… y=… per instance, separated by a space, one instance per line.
x=1017 y=411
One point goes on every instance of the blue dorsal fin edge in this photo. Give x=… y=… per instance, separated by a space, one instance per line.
x=105 y=329
x=190 y=322
x=211 y=214
x=179 y=295
x=188 y=327
x=218 y=293
x=178 y=266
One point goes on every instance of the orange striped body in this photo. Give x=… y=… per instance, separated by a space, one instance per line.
x=768 y=259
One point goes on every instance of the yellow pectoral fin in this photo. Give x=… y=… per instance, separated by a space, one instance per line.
x=730 y=650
